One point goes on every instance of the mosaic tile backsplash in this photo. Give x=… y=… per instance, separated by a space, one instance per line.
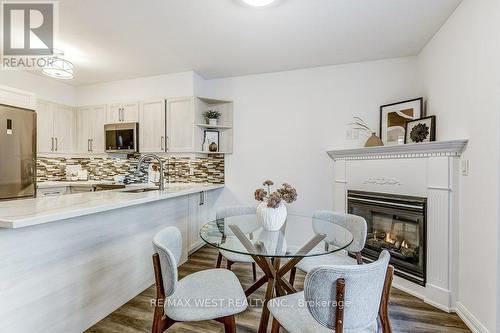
x=177 y=169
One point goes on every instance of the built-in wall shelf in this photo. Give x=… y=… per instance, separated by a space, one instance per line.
x=219 y=127
x=414 y=150
x=224 y=125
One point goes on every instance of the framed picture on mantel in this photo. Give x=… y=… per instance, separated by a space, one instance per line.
x=394 y=116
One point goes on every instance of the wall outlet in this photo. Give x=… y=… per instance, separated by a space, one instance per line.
x=464 y=167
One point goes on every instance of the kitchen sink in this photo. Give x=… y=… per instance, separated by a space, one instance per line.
x=140 y=190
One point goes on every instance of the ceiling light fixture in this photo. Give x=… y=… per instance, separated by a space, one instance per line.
x=258 y=3
x=57 y=67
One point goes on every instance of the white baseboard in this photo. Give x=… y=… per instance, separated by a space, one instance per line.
x=472 y=322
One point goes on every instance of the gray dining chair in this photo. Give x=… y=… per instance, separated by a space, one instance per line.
x=214 y=294
x=355 y=224
x=343 y=298
x=231 y=257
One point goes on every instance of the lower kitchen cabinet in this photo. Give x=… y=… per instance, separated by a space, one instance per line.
x=201 y=211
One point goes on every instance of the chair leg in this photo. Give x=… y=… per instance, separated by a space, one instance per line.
x=254 y=271
x=219 y=261
x=229 y=324
x=276 y=326
x=292 y=275
x=229 y=264
x=384 y=302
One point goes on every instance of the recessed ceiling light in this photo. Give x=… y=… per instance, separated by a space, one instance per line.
x=258 y=3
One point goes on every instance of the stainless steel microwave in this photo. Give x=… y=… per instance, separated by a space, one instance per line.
x=122 y=138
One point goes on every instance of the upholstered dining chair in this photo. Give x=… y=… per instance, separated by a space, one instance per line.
x=232 y=257
x=343 y=298
x=355 y=224
x=214 y=294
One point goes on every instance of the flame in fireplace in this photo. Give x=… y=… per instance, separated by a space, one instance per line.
x=389 y=239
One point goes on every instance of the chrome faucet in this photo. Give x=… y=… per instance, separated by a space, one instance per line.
x=147 y=156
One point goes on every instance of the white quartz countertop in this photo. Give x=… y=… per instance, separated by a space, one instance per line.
x=29 y=212
x=49 y=184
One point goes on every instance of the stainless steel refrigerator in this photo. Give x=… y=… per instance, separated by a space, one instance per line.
x=17 y=153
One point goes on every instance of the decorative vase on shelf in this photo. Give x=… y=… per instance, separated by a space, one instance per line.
x=271 y=219
x=212 y=121
x=374 y=141
x=213 y=147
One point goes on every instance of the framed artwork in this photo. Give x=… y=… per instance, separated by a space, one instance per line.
x=212 y=137
x=393 y=119
x=421 y=130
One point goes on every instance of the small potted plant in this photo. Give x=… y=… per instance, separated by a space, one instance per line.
x=212 y=116
x=271 y=212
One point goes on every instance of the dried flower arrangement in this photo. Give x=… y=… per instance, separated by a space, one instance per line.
x=212 y=114
x=285 y=193
x=360 y=125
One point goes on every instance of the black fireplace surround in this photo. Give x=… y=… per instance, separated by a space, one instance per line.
x=396 y=223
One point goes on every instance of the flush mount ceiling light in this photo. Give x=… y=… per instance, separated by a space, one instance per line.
x=57 y=67
x=258 y=3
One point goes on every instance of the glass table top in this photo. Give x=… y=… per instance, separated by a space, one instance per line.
x=300 y=236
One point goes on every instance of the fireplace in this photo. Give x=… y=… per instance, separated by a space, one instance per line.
x=396 y=223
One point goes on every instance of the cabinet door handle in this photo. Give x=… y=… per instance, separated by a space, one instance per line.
x=88 y=145
x=52 y=144
x=92 y=145
x=122 y=115
x=56 y=144
x=168 y=144
x=202 y=198
x=162 y=143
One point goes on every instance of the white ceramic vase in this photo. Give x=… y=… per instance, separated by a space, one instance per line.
x=212 y=121
x=271 y=219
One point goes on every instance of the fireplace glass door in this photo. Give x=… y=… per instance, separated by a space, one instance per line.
x=396 y=224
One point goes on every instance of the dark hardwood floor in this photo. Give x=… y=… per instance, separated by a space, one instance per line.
x=408 y=314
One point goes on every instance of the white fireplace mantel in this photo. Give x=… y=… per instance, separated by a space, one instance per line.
x=416 y=150
x=429 y=170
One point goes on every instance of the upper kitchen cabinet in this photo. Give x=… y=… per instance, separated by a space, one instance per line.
x=152 y=128
x=123 y=113
x=18 y=98
x=90 y=129
x=180 y=125
x=56 y=128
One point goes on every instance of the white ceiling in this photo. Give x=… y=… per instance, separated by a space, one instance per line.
x=119 y=39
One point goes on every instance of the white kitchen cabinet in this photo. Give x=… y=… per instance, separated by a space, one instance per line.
x=123 y=113
x=180 y=125
x=52 y=191
x=64 y=129
x=152 y=126
x=199 y=214
x=90 y=129
x=56 y=128
x=18 y=98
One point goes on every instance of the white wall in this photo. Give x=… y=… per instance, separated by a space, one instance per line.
x=169 y=85
x=460 y=72
x=44 y=87
x=285 y=122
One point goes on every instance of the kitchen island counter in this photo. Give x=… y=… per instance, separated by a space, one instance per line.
x=30 y=212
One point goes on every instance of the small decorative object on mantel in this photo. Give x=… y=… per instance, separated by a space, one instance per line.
x=212 y=117
x=421 y=130
x=271 y=212
x=393 y=118
x=360 y=125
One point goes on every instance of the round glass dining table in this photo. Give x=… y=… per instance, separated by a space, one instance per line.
x=300 y=237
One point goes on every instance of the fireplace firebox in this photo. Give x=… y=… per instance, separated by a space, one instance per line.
x=396 y=223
